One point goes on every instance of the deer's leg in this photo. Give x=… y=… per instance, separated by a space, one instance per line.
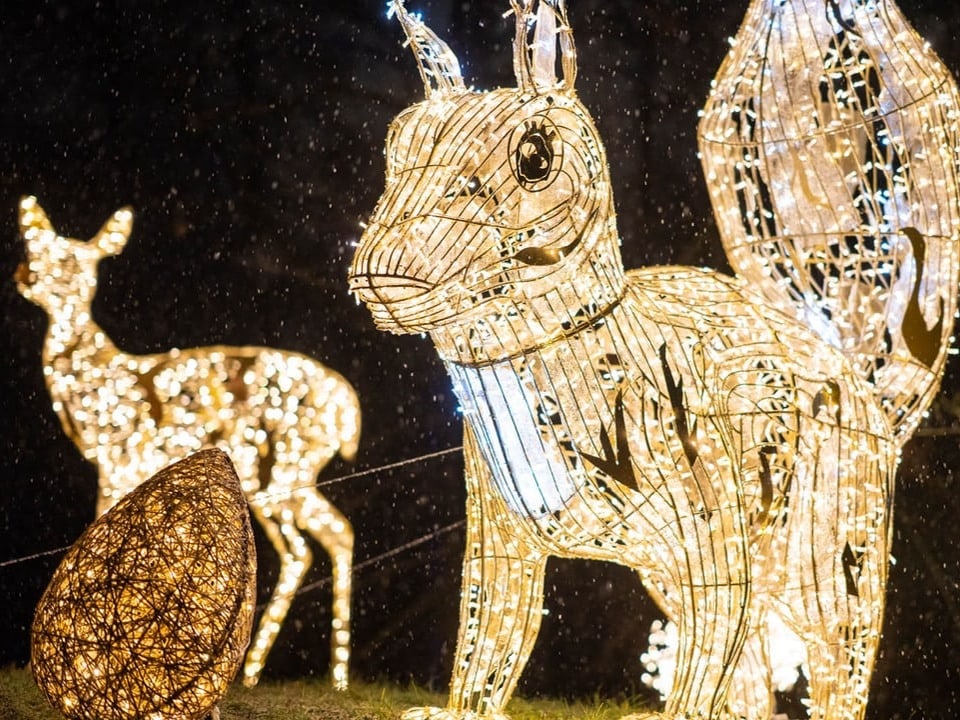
x=111 y=485
x=316 y=515
x=277 y=520
x=501 y=604
x=104 y=501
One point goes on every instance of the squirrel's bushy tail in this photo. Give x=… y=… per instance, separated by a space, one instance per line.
x=830 y=145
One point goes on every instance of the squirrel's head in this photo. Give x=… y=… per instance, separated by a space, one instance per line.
x=492 y=199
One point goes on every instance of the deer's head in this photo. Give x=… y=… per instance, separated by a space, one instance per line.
x=493 y=199
x=59 y=272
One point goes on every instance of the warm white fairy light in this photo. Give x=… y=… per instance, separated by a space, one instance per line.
x=281 y=417
x=830 y=144
x=668 y=419
x=786 y=653
x=149 y=613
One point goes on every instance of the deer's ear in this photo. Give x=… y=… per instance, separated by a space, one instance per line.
x=115 y=232
x=542 y=31
x=32 y=217
x=439 y=67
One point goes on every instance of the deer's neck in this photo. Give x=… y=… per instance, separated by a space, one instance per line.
x=572 y=301
x=75 y=348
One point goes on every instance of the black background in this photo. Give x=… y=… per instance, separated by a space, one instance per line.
x=248 y=138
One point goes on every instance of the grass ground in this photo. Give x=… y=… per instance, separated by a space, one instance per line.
x=308 y=700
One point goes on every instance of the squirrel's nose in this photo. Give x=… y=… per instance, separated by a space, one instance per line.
x=388 y=289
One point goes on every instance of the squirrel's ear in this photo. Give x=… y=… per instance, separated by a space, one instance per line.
x=439 y=67
x=542 y=29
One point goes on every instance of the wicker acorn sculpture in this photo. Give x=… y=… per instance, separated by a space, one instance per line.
x=149 y=613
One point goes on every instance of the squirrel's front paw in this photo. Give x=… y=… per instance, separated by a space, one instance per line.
x=435 y=713
x=663 y=716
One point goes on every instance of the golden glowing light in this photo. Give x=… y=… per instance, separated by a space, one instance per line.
x=150 y=612
x=830 y=146
x=280 y=416
x=670 y=419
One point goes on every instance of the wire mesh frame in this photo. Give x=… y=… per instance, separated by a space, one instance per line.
x=830 y=145
x=149 y=613
x=664 y=419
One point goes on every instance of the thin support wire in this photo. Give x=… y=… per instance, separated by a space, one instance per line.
x=385 y=555
x=325 y=483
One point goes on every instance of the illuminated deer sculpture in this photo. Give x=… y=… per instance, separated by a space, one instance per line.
x=279 y=415
x=669 y=419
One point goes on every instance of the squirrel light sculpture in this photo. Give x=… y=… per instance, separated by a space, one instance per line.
x=670 y=419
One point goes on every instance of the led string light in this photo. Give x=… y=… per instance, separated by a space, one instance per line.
x=387 y=554
x=669 y=419
x=149 y=613
x=356 y=567
x=280 y=415
x=34 y=556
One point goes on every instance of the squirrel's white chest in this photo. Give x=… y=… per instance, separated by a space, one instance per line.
x=506 y=415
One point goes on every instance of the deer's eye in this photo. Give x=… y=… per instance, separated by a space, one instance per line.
x=533 y=154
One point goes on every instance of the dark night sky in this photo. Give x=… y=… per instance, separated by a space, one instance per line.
x=248 y=139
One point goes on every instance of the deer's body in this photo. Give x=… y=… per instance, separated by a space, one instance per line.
x=280 y=416
x=244 y=399
x=670 y=419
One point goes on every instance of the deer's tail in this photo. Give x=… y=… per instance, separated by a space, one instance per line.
x=343 y=405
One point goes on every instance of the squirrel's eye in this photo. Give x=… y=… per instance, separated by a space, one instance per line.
x=533 y=156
